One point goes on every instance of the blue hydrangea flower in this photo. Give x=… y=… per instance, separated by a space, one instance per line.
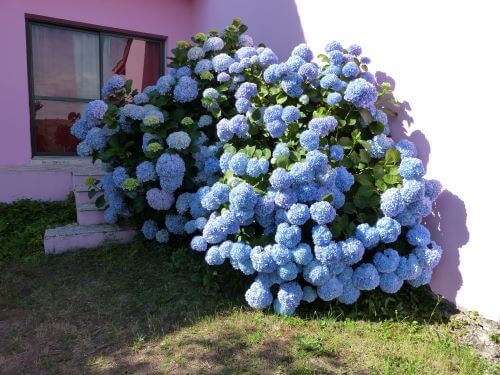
x=391 y=202
x=386 y=261
x=164 y=84
x=333 y=98
x=213 y=43
x=114 y=83
x=262 y=261
x=365 y=277
x=198 y=243
x=388 y=229
x=281 y=149
x=379 y=145
x=289 y=297
x=242 y=105
x=119 y=176
x=267 y=57
x=309 y=140
x=333 y=45
x=423 y=279
x=336 y=152
x=246 y=90
x=367 y=235
x=309 y=71
x=412 y=191
x=331 y=81
x=149 y=229
x=290 y=114
x=186 y=90
x=178 y=140
x=95 y=111
x=205 y=120
x=213 y=256
x=390 y=282
x=276 y=128
x=330 y=290
x=352 y=251
x=298 y=214
x=170 y=165
x=304 y=52
x=238 y=164
x=222 y=62
x=428 y=257
x=159 y=199
x=258 y=297
x=350 y=69
x=354 y=49
x=432 y=189
x=175 y=223
x=344 y=179
x=145 y=171
x=323 y=125
x=96 y=139
x=418 y=235
x=141 y=98
x=195 y=53
x=322 y=212
x=83 y=149
x=288 y=235
x=411 y=168
x=302 y=254
x=239 y=125
x=361 y=93
x=408 y=267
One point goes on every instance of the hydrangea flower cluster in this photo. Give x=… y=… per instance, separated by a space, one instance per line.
x=287 y=170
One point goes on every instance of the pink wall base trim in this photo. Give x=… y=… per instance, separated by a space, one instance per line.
x=38 y=185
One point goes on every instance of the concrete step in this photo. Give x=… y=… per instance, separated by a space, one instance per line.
x=89 y=214
x=82 y=195
x=80 y=177
x=74 y=236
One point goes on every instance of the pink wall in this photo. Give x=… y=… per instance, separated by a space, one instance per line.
x=434 y=53
x=171 y=18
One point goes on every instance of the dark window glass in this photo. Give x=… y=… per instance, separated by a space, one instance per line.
x=68 y=68
x=53 y=120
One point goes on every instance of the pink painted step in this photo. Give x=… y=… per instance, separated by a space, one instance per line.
x=73 y=237
x=82 y=195
x=88 y=214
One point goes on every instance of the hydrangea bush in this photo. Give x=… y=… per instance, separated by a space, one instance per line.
x=284 y=169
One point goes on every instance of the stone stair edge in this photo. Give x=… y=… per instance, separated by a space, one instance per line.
x=77 y=229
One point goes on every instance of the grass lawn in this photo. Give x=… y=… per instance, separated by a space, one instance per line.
x=144 y=308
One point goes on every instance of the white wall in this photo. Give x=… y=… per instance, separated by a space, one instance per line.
x=444 y=57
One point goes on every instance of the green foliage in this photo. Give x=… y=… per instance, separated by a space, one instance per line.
x=22 y=225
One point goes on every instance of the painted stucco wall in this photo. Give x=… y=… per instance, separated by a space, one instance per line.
x=440 y=56
x=171 y=18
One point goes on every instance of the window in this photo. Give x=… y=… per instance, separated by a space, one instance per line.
x=67 y=68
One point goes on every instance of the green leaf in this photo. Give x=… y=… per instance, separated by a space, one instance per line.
x=365 y=179
x=345 y=142
x=392 y=156
x=367 y=117
x=364 y=156
x=377 y=128
x=267 y=153
x=100 y=202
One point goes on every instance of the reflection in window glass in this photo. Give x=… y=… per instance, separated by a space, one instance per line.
x=65 y=62
x=138 y=60
x=53 y=120
x=68 y=66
